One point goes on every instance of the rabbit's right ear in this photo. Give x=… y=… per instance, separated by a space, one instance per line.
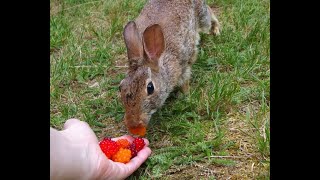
x=153 y=43
x=133 y=43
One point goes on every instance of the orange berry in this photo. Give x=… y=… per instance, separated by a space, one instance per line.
x=123 y=156
x=140 y=130
x=123 y=143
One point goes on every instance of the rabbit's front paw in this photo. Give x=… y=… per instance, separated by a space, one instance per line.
x=215 y=30
x=185 y=88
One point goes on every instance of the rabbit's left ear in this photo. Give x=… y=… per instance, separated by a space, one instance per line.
x=133 y=44
x=153 y=44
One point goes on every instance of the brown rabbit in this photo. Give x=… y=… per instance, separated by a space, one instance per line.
x=161 y=47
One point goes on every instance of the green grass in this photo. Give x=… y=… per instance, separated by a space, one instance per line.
x=225 y=115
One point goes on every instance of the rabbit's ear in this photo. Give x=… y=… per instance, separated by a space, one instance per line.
x=153 y=43
x=133 y=43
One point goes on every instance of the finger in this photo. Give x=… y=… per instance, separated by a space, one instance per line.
x=146 y=141
x=136 y=162
x=70 y=122
x=144 y=153
x=128 y=137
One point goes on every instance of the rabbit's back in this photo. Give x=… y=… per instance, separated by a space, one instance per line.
x=178 y=22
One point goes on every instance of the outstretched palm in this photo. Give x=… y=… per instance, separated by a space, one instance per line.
x=93 y=160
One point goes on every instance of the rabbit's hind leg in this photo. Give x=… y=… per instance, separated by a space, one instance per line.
x=207 y=20
x=215 y=22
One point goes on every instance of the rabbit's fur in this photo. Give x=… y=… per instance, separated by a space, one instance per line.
x=161 y=47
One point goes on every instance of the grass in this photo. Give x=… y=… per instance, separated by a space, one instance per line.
x=220 y=130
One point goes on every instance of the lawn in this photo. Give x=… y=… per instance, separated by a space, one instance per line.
x=220 y=130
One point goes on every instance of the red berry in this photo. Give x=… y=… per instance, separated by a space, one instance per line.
x=109 y=147
x=133 y=150
x=139 y=143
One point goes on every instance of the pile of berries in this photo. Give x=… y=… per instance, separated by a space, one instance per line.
x=121 y=150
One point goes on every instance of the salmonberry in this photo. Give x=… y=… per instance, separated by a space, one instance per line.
x=139 y=143
x=123 y=156
x=140 y=131
x=123 y=143
x=133 y=150
x=109 y=147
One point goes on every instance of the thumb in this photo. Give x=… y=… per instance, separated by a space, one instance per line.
x=79 y=131
x=71 y=122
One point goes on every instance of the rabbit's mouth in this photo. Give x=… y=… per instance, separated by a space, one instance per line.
x=136 y=123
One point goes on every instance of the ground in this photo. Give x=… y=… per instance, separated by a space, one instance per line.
x=221 y=130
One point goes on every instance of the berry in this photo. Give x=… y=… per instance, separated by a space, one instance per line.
x=109 y=147
x=139 y=143
x=123 y=156
x=133 y=150
x=123 y=143
x=140 y=130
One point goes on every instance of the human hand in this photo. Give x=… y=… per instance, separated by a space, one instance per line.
x=87 y=161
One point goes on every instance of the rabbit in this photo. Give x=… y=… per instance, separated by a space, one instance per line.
x=161 y=46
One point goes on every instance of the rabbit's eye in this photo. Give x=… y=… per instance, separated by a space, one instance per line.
x=150 y=88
